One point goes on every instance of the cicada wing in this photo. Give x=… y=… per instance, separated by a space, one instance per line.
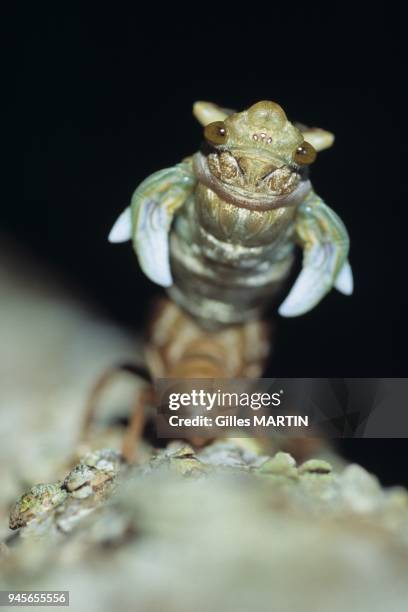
x=122 y=228
x=151 y=242
x=153 y=206
x=344 y=281
x=325 y=248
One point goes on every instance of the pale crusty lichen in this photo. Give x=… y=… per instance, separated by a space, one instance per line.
x=39 y=501
x=93 y=473
x=90 y=478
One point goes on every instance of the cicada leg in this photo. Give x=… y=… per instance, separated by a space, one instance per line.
x=96 y=394
x=137 y=421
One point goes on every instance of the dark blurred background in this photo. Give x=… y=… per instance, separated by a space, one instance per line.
x=100 y=114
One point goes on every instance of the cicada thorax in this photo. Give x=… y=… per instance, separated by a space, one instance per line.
x=228 y=262
x=245 y=227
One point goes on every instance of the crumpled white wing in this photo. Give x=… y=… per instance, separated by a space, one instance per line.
x=151 y=235
x=147 y=221
x=325 y=244
x=154 y=205
x=122 y=228
x=344 y=281
x=313 y=283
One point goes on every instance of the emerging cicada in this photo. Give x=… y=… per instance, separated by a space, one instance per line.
x=219 y=229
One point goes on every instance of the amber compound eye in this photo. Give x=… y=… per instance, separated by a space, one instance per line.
x=305 y=154
x=216 y=133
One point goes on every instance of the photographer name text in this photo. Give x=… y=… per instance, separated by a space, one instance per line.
x=234 y=421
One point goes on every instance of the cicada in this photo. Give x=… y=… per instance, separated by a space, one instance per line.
x=219 y=230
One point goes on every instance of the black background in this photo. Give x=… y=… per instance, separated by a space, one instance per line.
x=104 y=100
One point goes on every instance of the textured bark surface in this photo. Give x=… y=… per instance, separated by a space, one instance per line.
x=222 y=529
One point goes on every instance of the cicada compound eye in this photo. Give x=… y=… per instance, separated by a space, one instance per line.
x=216 y=133
x=305 y=154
